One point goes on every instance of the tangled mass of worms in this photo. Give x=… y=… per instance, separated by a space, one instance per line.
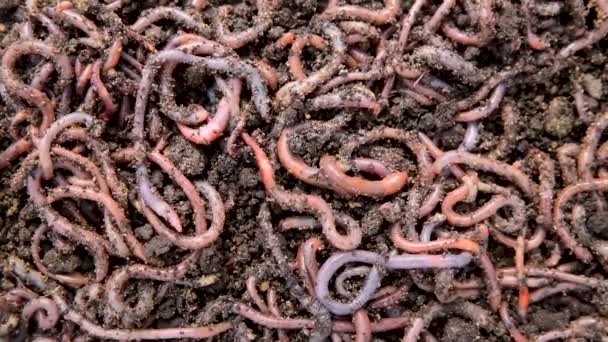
x=278 y=170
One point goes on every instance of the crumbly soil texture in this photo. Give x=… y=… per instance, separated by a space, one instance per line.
x=515 y=92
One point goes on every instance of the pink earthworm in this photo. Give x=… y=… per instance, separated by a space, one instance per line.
x=489 y=165
x=347 y=78
x=351 y=12
x=302 y=202
x=559 y=223
x=261 y=23
x=533 y=40
x=255 y=295
x=108 y=102
x=477 y=314
x=36 y=97
x=487 y=210
x=296 y=67
x=389 y=299
x=299 y=222
x=359 y=27
x=509 y=324
x=42 y=76
x=14 y=151
x=555 y=274
x=306 y=262
x=430 y=246
x=407 y=22
x=95 y=36
x=199 y=4
x=268 y=72
x=450 y=60
x=566 y=157
x=17 y=119
x=486 y=28
x=433 y=24
x=363 y=327
x=201 y=240
x=296 y=89
x=371 y=166
x=84 y=79
x=335 y=173
x=72 y=191
x=44 y=147
x=589 y=146
x=117 y=282
x=491 y=279
x=114 y=54
x=93 y=242
x=348 y=273
x=231 y=65
x=423 y=90
x=589 y=39
x=211 y=131
x=487 y=87
x=542 y=293
x=583 y=327
x=74 y=279
x=482 y=112
x=153 y=15
x=186 y=185
x=46 y=311
x=356 y=97
x=273 y=307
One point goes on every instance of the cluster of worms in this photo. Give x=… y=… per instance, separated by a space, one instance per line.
x=394 y=231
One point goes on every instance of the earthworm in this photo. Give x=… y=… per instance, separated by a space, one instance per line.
x=230 y=65
x=486 y=28
x=268 y=73
x=273 y=307
x=72 y=191
x=306 y=262
x=520 y=266
x=509 y=324
x=566 y=155
x=261 y=23
x=440 y=13
x=389 y=299
x=331 y=265
x=582 y=327
x=254 y=294
x=492 y=282
x=483 y=111
x=510 y=118
x=114 y=55
x=19 y=117
x=36 y=97
x=46 y=311
x=60 y=225
x=430 y=246
x=211 y=131
x=471 y=135
x=83 y=79
x=95 y=37
x=363 y=328
x=42 y=76
x=155 y=14
x=423 y=90
x=72 y=279
x=44 y=147
x=487 y=87
x=322 y=323
x=479 y=315
x=559 y=223
x=337 y=178
x=589 y=39
x=557 y=275
x=118 y=188
x=296 y=89
x=533 y=40
x=132 y=61
x=201 y=239
x=117 y=282
x=487 y=210
x=271 y=321
x=303 y=202
x=356 y=97
x=406 y=24
x=489 y=165
x=360 y=27
x=446 y=59
x=347 y=78
x=414 y=261
x=586 y=155
x=14 y=150
x=101 y=90
x=352 y=12
x=545 y=292
x=347 y=274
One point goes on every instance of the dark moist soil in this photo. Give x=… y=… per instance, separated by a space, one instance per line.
x=546 y=120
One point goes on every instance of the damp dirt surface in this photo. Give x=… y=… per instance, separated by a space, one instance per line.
x=304 y=130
